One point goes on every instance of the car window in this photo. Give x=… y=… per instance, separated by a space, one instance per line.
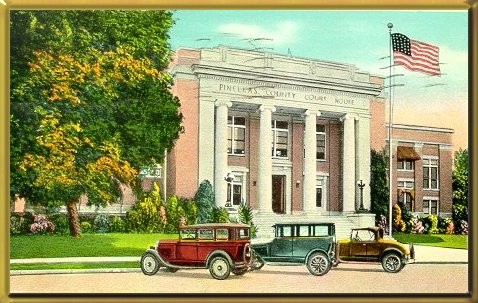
x=222 y=234
x=243 y=233
x=363 y=235
x=188 y=234
x=321 y=230
x=303 y=231
x=206 y=234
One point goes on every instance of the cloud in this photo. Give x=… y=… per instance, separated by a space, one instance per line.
x=283 y=32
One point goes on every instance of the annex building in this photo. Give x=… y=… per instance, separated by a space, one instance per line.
x=291 y=137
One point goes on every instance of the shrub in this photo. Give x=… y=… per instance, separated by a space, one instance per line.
x=220 y=215
x=101 y=224
x=190 y=210
x=147 y=215
x=433 y=224
x=245 y=216
x=172 y=215
x=205 y=202
x=382 y=223
x=15 y=225
x=416 y=225
x=20 y=223
x=117 y=224
x=398 y=224
x=459 y=214
x=407 y=217
x=41 y=225
x=450 y=227
x=464 y=227
x=86 y=227
x=61 y=223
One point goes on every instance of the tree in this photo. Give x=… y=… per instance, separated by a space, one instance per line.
x=379 y=191
x=205 y=202
x=460 y=188
x=460 y=178
x=91 y=82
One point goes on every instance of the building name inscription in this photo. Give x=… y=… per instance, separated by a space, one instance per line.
x=268 y=92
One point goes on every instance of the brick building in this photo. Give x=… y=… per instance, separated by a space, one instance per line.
x=295 y=135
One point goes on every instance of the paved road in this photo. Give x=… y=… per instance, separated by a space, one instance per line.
x=347 y=278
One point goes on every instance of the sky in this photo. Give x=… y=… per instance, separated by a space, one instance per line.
x=360 y=38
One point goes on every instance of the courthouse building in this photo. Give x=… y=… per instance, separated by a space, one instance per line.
x=291 y=137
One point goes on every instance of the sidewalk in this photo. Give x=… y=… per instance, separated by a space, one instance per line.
x=423 y=255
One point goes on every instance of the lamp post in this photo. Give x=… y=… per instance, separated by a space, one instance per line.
x=361 y=185
x=229 y=178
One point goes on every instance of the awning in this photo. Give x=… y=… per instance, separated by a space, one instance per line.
x=407 y=153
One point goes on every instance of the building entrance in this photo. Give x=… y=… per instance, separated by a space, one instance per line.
x=278 y=194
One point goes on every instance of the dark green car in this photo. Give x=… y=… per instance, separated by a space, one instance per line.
x=312 y=244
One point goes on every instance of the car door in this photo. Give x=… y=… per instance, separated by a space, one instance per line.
x=281 y=246
x=358 y=246
x=187 y=248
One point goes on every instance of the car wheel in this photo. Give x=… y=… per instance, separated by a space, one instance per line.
x=318 y=264
x=149 y=264
x=392 y=263
x=219 y=268
x=239 y=272
x=247 y=254
x=257 y=262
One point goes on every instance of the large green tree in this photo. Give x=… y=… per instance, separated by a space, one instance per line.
x=460 y=187
x=379 y=191
x=90 y=103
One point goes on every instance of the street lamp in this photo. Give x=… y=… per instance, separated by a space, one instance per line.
x=229 y=178
x=361 y=185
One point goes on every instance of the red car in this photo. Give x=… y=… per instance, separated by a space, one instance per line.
x=220 y=247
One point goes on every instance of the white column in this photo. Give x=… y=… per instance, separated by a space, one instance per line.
x=364 y=158
x=206 y=126
x=220 y=153
x=264 y=169
x=310 y=162
x=348 y=164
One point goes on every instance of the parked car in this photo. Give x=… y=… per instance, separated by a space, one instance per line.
x=312 y=244
x=220 y=247
x=369 y=245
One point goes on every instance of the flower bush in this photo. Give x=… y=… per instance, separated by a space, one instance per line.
x=417 y=225
x=41 y=225
x=464 y=227
x=101 y=224
x=382 y=222
x=433 y=224
x=86 y=227
x=450 y=227
x=398 y=223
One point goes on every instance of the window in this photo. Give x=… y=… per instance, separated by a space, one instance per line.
x=320 y=230
x=280 y=138
x=406 y=165
x=405 y=186
x=206 y=234
x=430 y=206
x=320 y=191
x=320 y=134
x=430 y=173
x=236 y=140
x=235 y=190
x=222 y=234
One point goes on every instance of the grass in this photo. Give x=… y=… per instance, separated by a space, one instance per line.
x=438 y=240
x=74 y=266
x=88 y=245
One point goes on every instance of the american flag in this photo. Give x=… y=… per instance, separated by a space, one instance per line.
x=415 y=55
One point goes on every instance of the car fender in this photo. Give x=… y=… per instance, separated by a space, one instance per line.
x=221 y=253
x=314 y=251
x=391 y=249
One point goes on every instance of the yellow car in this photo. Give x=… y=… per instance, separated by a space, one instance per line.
x=369 y=245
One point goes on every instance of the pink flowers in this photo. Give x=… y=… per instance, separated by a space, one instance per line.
x=41 y=225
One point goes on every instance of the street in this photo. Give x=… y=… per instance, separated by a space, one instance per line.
x=346 y=278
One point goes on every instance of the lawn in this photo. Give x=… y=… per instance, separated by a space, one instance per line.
x=88 y=245
x=439 y=240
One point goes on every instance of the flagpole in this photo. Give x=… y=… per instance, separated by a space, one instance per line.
x=390 y=124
